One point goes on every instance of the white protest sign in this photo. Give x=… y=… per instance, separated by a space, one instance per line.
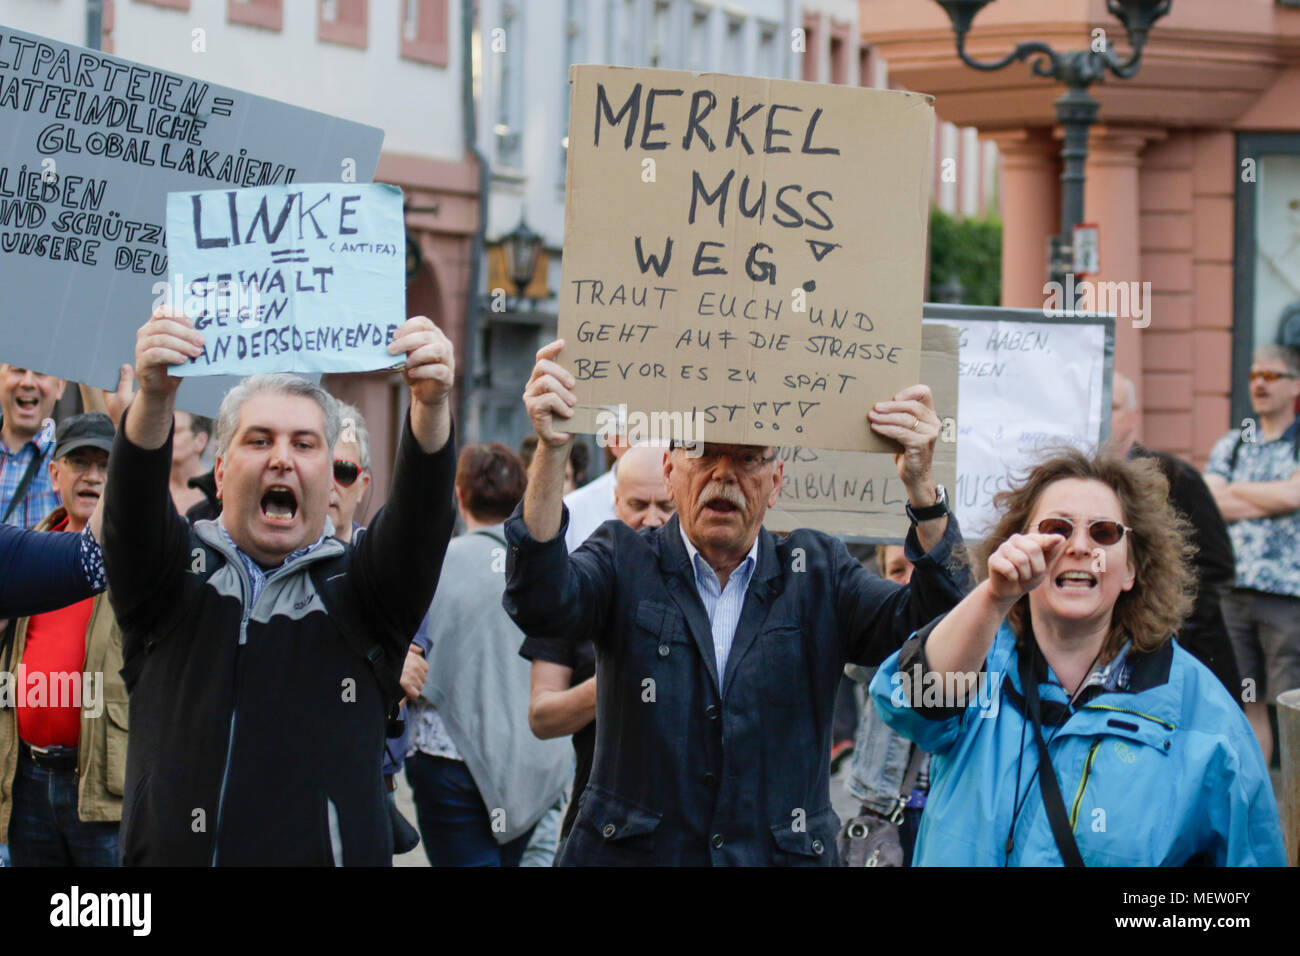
x=1027 y=383
x=90 y=145
x=305 y=278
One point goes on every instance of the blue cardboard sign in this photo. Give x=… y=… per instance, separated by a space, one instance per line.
x=302 y=278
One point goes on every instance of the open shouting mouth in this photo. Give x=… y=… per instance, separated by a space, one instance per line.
x=1076 y=581
x=279 y=505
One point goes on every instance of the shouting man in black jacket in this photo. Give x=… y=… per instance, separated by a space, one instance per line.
x=261 y=652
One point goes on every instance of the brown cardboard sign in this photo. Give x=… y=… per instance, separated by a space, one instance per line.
x=744 y=255
x=856 y=493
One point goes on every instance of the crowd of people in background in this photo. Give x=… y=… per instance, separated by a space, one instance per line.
x=627 y=670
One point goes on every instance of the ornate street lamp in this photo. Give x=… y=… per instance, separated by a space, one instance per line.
x=521 y=247
x=1076 y=110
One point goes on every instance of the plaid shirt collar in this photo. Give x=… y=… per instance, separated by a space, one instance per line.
x=1113 y=676
x=43 y=440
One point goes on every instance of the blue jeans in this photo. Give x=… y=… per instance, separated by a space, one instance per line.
x=44 y=828
x=879 y=762
x=455 y=826
x=544 y=845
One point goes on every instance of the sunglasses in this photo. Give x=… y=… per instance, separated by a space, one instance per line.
x=1268 y=375
x=346 y=473
x=1103 y=532
x=748 y=461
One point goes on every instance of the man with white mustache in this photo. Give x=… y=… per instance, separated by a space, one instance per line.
x=719 y=646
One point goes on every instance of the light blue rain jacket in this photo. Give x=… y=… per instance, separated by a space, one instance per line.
x=1164 y=773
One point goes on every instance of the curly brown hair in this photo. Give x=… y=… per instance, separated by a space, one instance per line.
x=1164 y=586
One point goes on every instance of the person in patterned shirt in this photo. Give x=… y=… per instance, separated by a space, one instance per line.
x=26 y=445
x=1254 y=475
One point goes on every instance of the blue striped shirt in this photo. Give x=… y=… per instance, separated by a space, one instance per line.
x=722 y=605
x=41 y=498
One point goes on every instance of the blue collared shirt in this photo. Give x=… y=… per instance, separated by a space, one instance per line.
x=41 y=498
x=723 y=605
x=256 y=575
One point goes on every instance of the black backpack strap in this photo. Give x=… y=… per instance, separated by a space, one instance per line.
x=356 y=632
x=1236 y=449
x=1050 y=787
x=495 y=537
x=21 y=491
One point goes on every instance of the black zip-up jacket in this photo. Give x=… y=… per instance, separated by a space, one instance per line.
x=257 y=731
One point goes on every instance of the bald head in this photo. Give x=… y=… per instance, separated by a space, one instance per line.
x=1124 y=414
x=641 y=497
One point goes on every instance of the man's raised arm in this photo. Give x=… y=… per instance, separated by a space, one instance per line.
x=144 y=539
x=550 y=593
x=399 y=560
x=168 y=338
x=546 y=397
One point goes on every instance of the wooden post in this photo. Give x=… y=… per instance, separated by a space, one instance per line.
x=1288 y=722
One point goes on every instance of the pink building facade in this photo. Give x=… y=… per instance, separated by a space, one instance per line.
x=1193 y=176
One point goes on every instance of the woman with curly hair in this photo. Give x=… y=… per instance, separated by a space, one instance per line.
x=1065 y=723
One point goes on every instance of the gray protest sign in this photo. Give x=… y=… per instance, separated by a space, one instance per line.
x=90 y=145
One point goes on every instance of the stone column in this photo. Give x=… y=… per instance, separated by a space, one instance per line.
x=1029 y=188
x=1111 y=201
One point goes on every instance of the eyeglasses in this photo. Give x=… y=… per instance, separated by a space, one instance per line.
x=79 y=464
x=1103 y=532
x=749 y=462
x=1268 y=375
x=346 y=473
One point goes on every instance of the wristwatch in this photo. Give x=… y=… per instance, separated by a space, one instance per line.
x=936 y=510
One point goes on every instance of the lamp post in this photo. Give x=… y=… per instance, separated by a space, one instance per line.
x=1076 y=110
x=521 y=247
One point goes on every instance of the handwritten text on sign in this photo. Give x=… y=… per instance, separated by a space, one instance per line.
x=90 y=145
x=307 y=278
x=747 y=251
x=858 y=493
x=1026 y=388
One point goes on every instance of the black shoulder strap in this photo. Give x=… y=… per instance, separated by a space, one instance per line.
x=1236 y=449
x=21 y=491
x=355 y=630
x=495 y=537
x=912 y=774
x=1050 y=787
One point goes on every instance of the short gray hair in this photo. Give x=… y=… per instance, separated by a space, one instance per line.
x=1287 y=355
x=350 y=415
x=276 y=384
